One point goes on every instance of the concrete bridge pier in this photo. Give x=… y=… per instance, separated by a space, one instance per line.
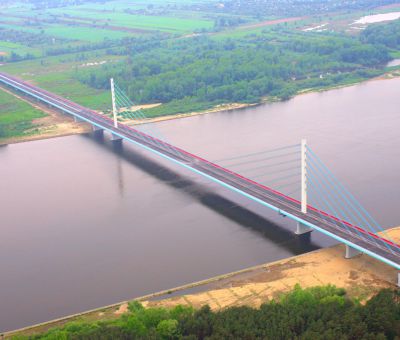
x=97 y=129
x=302 y=229
x=116 y=138
x=78 y=120
x=351 y=252
x=98 y=132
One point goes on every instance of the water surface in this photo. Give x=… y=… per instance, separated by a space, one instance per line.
x=372 y=19
x=395 y=62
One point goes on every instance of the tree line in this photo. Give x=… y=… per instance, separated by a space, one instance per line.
x=213 y=71
x=384 y=34
x=318 y=313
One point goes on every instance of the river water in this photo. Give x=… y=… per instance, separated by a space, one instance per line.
x=85 y=223
x=394 y=62
x=372 y=19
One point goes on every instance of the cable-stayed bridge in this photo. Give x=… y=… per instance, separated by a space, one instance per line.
x=290 y=180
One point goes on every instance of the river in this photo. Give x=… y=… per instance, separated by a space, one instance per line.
x=86 y=224
x=394 y=62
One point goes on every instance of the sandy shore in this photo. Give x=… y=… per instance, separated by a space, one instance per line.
x=361 y=276
x=235 y=106
x=218 y=108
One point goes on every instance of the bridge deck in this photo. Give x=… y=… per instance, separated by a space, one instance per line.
x=354 y=236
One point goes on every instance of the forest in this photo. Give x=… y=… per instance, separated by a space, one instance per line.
x=202 y=72
x=386 y=35
x=318 y=313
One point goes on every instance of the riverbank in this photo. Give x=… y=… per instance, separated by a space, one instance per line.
x=234 y=106
x=215 y=109
x=53 y=124
x=57 y=124
x=361 y=276
x=386 y=76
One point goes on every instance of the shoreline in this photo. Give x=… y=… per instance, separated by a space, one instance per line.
x=362 y=276
x=265 y=100
x=215 y=109
x=79 y=128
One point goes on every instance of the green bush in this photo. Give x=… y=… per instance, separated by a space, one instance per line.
x=168 y=329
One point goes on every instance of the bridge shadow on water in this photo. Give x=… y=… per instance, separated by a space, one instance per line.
x=279 y=235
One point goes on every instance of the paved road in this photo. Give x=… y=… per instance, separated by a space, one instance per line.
x=341 y=229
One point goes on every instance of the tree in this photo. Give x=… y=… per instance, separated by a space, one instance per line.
x=168 y=329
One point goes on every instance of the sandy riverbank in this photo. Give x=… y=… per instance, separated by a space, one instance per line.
x=361 y=276
x=235 y=106
x=217 y=108
x=385 y=76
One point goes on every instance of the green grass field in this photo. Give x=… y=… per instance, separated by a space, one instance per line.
x=8 y=47
x=121 y=19
x=90 y=34
x=65 y=85
x=174 y=21
x=16 y=116
x=18 y=27
x=13 y=110
x=396 y=54
x=56 y=74
x=86 y=34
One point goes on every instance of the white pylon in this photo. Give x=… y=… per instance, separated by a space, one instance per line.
x=114 y=107
x=303 y=176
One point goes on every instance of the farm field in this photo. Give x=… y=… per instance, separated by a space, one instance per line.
x=84 y=34
x=152 y=23
x=87 y=34
x=125 y=17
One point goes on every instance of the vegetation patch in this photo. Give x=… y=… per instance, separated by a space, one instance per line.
x=198 y=73
x=313 y=313
x=65 y=85
x=387 y=35
x=91 y=34
x=16 y=116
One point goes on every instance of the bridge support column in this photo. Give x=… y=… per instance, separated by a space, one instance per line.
x=96 y=128
x=351 y=252
x=78 y=120
x=302 y=229
x=115 y=138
